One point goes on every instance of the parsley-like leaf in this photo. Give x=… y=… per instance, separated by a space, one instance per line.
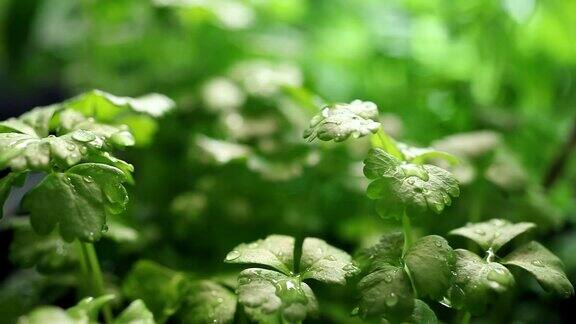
x=387 y=289
x=400 y=186
x=477 y=280
x=386 y=292
x=77 y=200
x=138 y=113
x=544 y=265
x=208 y=302
x=494 y=233
x=265 y=292
x=276 y=251
x=325 y=263
x=78 y=136
x=341 y=121
x=430 y=261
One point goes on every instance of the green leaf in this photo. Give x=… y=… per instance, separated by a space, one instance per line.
x=422 y=314
x=276 y=251
x=77 y=200
x=77 y=138
x=477 y=280
x=386 y=292
x=6 y=184
x=48 y=253
x=50 y=314
x=162 y=291
x=135 y=313
x=494 y=233
x=265 y=292
x=387 y=251
x=138 y=113
x=341 y=121
x=325 y=263
x=85 y=312
x=430 y=261
x=418 y=155
x=105 y=106
x=36 y=122
x=208 y=302
x=544 y=265
x=400 y=186
x=88 y=308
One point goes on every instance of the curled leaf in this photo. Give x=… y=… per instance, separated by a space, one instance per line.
x=341 y=121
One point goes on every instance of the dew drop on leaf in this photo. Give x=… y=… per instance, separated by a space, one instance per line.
x=83 y=136
x=391 y=300
x=479 y=232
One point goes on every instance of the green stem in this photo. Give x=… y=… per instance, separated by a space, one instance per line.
x=408 y=240
x=85 y=286
x=407 y=229
x=97 y=280
x=386 y=142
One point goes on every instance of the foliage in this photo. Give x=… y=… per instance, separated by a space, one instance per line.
x=466 y=136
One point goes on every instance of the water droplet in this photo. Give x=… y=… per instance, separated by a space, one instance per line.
x=105 y=228
x=233 y=255
x=538 y=263
x=88 y=179
x=479 y=231
x=355 y=311
x=391 y=300
x=83 y=150
x=438 y=244
x=83 y=136
x=388 y=278
x=220 y=300
x=330 y=258
x=70 y=147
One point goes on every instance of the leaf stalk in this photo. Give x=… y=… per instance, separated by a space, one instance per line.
x=97 y=280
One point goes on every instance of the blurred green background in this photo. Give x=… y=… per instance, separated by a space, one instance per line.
x=490 y=81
